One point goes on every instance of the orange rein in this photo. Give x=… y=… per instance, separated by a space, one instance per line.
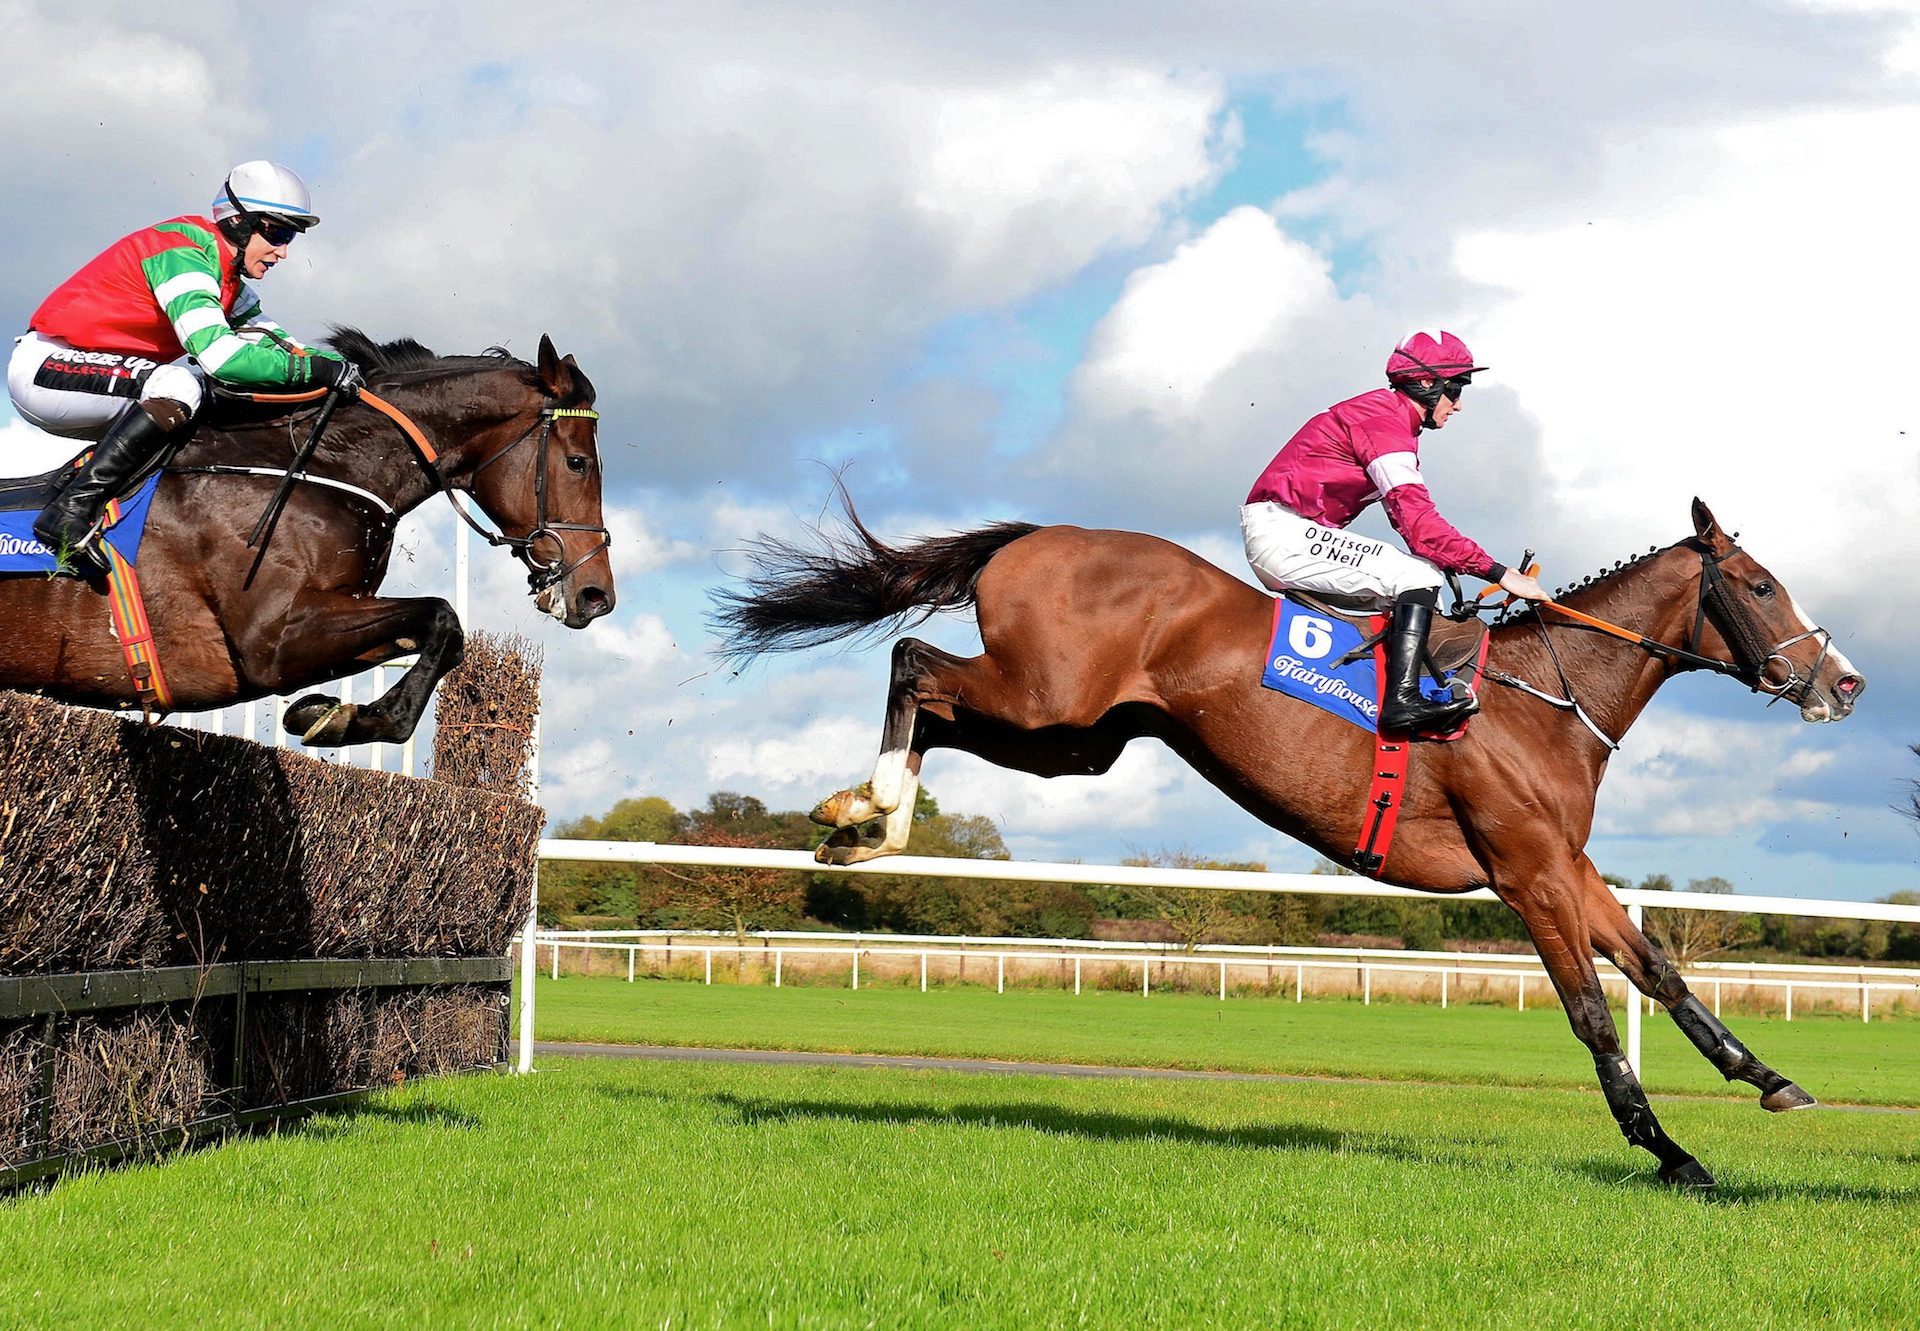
x=1625 y=635
x=379 y=404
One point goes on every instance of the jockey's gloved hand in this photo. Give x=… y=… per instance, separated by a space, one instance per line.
x=342 y=376
x=1516 y=583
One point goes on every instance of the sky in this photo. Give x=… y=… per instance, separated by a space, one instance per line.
x=1093 y=264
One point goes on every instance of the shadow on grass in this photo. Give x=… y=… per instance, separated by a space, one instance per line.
x=1449 y=1146
x=1750 y=1192
x=749 y=1111
x=341 y=1122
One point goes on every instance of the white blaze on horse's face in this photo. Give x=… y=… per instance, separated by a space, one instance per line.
x=1837 y=686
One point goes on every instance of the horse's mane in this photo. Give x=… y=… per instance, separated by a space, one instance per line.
x=405 y=356
x=1598 y=579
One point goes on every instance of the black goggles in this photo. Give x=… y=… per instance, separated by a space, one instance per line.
x=275 y=230
x=1450 y=387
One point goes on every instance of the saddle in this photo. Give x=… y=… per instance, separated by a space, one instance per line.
x=21 y=494
x=1452 y=643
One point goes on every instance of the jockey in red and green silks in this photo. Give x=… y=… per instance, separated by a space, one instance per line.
x=120 y=352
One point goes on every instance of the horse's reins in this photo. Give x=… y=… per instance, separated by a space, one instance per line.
x=541 y=575
x=1752 y=657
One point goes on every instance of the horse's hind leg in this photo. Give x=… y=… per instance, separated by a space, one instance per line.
x=1551 y=904
x=1616 y=937
x=895 y=787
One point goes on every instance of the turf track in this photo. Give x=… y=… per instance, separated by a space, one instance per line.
x=623 y=1191
x=605 y=1192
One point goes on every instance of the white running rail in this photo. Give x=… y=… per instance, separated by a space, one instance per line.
x=1635 y=900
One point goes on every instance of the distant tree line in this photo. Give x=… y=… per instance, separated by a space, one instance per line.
x=739 y=900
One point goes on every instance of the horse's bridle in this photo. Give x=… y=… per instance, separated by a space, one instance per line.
x=1751 y=655
x=540 y=576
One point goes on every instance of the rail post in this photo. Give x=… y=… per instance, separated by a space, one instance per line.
x=1223 y=982
x=1299 y=982
x=1144 y=963
x=529 y=969
x=778 y=954
x=1366 y=986
x=856 y=969
x=1443 y=991
x=923 y=972
x=1076 y=975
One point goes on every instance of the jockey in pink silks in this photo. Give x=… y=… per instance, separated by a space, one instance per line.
x=1351 y=454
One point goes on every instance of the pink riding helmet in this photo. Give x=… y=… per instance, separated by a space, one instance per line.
x=1424 y=356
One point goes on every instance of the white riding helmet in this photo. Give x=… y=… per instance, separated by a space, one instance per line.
x=264 y=188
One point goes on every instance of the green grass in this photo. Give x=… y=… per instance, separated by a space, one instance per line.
x=605 y=1192
x=1837 y=1059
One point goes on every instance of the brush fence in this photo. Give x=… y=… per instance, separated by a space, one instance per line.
x=198 y=932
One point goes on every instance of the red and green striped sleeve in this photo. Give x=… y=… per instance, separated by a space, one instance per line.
x=185 y=280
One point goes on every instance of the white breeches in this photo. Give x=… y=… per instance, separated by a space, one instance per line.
x=1287 y=551
x=75 y=393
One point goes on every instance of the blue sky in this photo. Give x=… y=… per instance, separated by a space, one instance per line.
x=960 y=251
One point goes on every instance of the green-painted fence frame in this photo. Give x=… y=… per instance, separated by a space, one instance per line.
x=53 y=998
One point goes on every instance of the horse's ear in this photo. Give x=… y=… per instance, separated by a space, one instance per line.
x=556 y=375
x=1706 y=526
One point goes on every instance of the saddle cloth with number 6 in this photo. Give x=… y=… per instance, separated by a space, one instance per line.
x=1333 y=660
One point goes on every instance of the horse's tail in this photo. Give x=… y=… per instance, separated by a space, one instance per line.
x=849 y=585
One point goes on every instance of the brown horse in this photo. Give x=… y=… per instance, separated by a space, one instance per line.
x=518 y=438
x=1094 y=638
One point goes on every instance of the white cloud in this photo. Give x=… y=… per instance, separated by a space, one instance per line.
x=1744 y=341
x=819 y=754
x=1686 y=776
x=1237 y=290
x=1033 y=180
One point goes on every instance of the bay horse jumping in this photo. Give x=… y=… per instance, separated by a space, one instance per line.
x=520 y=439
x=1092 y=639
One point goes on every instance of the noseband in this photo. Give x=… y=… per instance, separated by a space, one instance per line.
x=540 y=575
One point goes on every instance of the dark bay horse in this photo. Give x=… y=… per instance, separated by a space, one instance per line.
x=1094 y=638
x=519 y=439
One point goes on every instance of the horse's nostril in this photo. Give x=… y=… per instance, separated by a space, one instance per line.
x=595 y=601
x=1849 y=685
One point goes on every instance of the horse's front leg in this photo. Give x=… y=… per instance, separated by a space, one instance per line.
x=1550 y=902
x=331 y=634
x=1616 y=937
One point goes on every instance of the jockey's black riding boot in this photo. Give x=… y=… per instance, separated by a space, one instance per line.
x=1405 y=710
x=131 y=444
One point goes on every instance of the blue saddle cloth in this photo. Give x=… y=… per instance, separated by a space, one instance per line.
x=1302 y=662
x=21 y=551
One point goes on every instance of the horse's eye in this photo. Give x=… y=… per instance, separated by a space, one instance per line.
x=577 y=465
x=1763 y=590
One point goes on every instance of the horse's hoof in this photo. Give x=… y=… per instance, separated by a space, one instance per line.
x=331 y=727
x=845 y=847
x=303 y=715
x=1689 y=1173
x=848 y=808
x=1789 y=1096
